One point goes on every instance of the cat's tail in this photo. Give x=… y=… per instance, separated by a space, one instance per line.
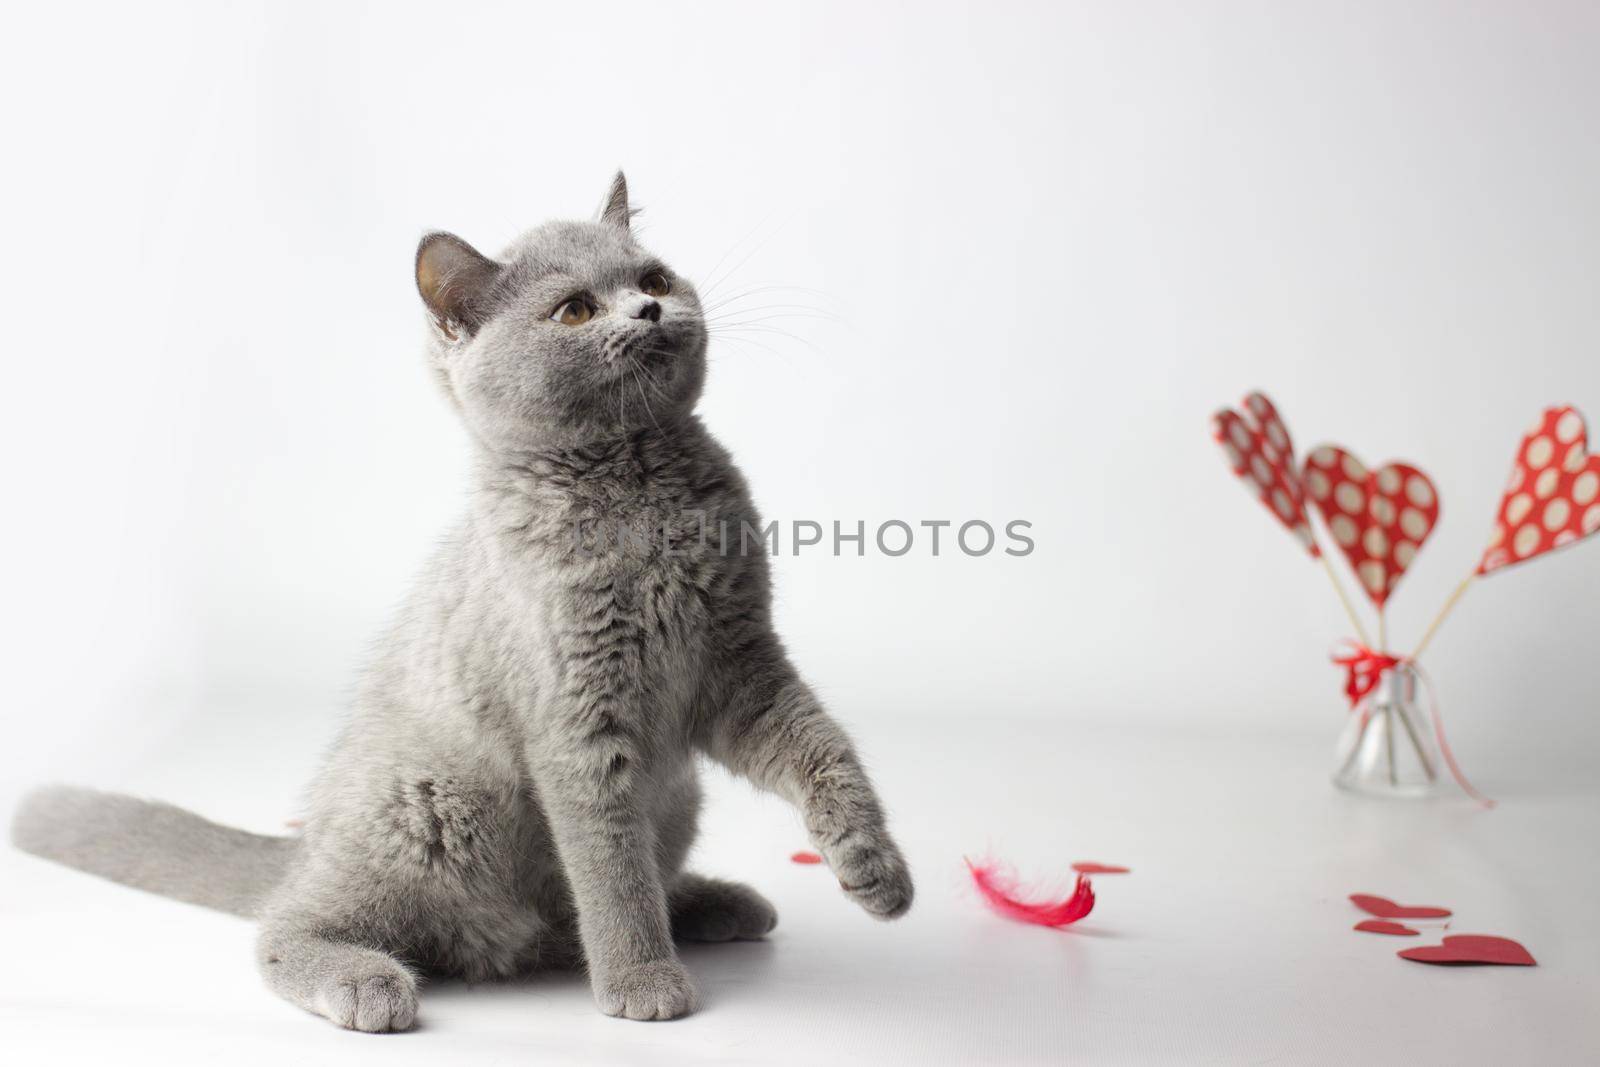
x=152 y=846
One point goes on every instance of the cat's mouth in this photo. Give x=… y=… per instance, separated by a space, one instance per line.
x=651 y=355
x=655 y=358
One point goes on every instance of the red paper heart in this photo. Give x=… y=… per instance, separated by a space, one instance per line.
x=1462 y=949
x=1379 y=519
x=1262 y=455
x=1100 y=868
x=1384 y=926
x=805 y=857
x=1388 y=909
x=1553 y=498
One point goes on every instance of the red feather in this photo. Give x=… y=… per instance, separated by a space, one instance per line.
x=999 y=888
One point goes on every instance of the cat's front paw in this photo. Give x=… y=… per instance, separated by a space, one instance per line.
x=660 y=989
x=872 y=871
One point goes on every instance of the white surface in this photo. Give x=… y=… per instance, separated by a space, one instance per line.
x=1046 y=241
x=1230 y=942
x=1033 y=246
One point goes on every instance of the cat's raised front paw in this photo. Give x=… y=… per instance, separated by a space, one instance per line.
x=660 y=989
x=875 y=875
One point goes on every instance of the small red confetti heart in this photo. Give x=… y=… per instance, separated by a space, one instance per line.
x=1384 y=926
x=1467 y=949
x=1100 y=868
x=1388 y=909
x=805 y=857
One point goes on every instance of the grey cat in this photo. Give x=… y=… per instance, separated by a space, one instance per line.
x=516 y=787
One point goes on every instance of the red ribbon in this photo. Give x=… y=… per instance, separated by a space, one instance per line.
x=1365 y=668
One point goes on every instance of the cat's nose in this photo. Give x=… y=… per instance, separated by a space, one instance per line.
x=649 y=308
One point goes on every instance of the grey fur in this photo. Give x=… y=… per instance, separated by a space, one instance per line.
x=153 y=846
x=516 y=786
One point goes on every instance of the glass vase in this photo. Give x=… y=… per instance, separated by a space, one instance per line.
x=1387 y=748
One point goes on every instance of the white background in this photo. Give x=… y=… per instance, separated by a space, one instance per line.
x=995 y=262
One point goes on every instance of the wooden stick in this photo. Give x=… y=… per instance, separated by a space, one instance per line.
x=1349 y=609
x=1383 y=631
x=1444 y=612
x=1388 y=741
x=1416 y=743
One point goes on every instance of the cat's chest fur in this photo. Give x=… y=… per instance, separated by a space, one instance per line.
x=614 y=563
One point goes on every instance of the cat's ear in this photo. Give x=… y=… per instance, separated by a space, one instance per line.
x=615 y=210
x=454 y=280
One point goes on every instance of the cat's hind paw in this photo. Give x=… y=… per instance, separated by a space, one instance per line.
x=373 y=1003
x=706 y=909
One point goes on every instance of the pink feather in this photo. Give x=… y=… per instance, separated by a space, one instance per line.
x=999 y=888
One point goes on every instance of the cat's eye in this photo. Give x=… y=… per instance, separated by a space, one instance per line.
x=655 y=283
x=574 y=312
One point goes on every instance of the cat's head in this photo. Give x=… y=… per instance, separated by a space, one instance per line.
x=574 y=335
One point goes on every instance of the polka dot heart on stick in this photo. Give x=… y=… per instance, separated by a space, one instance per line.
x=1379 y=518
x=1261 y=454
x=1553 y=498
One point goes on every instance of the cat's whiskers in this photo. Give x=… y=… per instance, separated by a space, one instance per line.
x=738 y=306
x=622 y=403
x=647 y=378
x=755 y=320
x=732 y=319
x=733 y=340
x=743 y=331
x=633 y=369
x=717 y=276
x=754 y=326
x=758 y=290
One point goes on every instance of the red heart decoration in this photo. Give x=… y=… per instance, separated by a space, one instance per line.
x=1460 y=949
x=1100 y=868
x=805 y=857
x=1379 y=519
x=1384 y=908
x=1553 y=498
x=1262 y=456
x=1384 y=926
